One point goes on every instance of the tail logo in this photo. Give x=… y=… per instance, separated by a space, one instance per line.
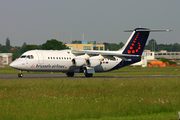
x=131 y=48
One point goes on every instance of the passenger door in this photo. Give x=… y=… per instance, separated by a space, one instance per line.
x=40 y=58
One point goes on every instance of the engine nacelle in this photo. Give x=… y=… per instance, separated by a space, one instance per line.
x=93 y=62
x=78 y=61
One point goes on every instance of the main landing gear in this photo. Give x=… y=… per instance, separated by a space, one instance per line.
x=20 y=74
x=70 y=74
x=87 y=74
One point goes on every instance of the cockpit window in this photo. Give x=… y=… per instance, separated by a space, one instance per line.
x=28 y=56
x=32 y=57
x=23 y=56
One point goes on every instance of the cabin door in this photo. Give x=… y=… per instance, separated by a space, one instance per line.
x=40 y=58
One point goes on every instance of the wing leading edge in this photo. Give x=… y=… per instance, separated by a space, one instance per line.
x=103 y=53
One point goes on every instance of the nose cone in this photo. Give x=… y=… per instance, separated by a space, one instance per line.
x=14 y=64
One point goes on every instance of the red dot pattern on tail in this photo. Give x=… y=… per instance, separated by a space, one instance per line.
x=131 y=50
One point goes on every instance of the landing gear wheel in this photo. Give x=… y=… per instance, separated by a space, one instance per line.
x=88 y=75
x=70 y=74
x=20 y=75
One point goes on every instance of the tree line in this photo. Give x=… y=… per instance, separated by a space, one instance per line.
x=53 y=44
x=151 y=45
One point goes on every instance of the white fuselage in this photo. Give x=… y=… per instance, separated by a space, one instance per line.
x=56 y=60
x=85 y=61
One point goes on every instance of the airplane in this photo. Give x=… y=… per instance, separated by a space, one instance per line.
x=85 y=61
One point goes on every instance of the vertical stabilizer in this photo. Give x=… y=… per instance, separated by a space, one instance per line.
x=137 y=41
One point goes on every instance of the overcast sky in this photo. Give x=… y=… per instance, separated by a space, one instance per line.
x=36 y=21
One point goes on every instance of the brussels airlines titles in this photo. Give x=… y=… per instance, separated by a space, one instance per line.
x=48 y=66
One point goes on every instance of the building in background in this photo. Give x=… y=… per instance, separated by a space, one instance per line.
x=5 y=58
x=86 y=45
x=147 y=56
x=167 y=55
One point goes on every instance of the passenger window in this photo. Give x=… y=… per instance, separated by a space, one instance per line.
x=56 y=57
x=59 y=57
x=53 y=57
x=64 y=58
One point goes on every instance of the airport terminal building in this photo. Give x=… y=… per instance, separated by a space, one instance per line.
x=167 y=55
x=149 y=56
x=86 y=45
x=5 y=58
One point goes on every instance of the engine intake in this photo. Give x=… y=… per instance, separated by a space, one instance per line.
x=78 y=61
x=93 y=62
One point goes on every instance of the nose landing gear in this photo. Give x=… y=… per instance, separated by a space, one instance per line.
x=20 y=74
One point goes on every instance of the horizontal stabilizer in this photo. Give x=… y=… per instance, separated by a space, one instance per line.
x=153 y=30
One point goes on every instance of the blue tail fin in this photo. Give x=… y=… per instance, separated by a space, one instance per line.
x=137 y=41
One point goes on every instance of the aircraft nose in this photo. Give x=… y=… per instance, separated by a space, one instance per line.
x=13 y=65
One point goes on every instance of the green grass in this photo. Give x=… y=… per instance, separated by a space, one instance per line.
x=126 y=71
x=138 y=71
x=90 y=98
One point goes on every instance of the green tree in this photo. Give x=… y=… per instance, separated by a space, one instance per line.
x=113 y=46
x=22 y=48
x=176 y=47
x=8 y=43
x=76 y=42
x=153 y=45
x=169 y=47
x=16 y=51
x=0 y=48
x=14 y=57
x=4 y=49
x=121 y=44
x=53 y=44
x=31 y=47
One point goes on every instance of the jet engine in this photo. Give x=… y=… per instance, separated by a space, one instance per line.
x=94 y=61
x=78 y=61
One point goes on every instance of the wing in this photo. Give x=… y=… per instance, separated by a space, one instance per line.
x=106 y=54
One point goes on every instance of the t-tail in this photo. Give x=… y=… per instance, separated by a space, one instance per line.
x=137 y=41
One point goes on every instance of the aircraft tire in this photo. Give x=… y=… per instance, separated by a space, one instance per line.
x=70 y=74
x=88 y=75
x=20 y=75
